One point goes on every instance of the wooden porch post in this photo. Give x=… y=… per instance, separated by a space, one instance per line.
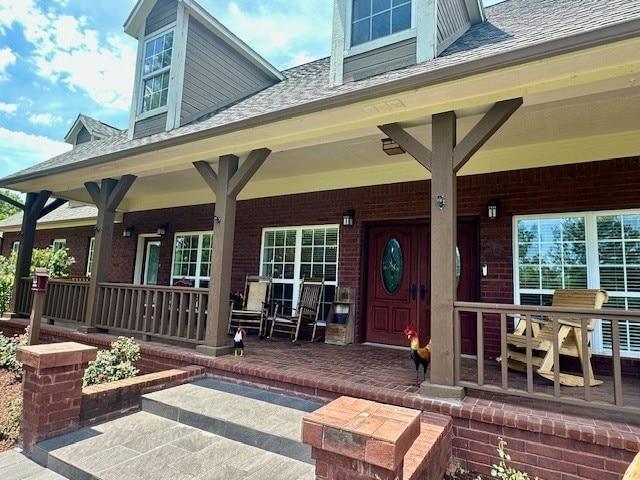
x=444 y=162
x=226 y=185
x=443 y=248
x=106 y=197
x=33 y=209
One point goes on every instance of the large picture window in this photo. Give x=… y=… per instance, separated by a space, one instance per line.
x=373 y=19
x=156 y=66
x=583 y=250
x=291 y=253
x=192 y=259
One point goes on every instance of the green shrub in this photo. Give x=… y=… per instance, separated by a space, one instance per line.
x=11 y=431
x=502 y=470
x=9 y=351
x=113 y=364
x=57 y=262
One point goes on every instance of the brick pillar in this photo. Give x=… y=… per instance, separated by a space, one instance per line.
x=52 y=387
x=359 y=439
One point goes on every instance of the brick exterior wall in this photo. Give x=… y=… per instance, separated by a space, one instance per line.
x=613 y=184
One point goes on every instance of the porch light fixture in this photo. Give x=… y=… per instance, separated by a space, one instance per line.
x=493 y=207
x=162 y=229
x=390 y=147
x=128 y=231
x=348 y=217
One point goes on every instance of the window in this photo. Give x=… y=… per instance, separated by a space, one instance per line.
x=156 y=66
x=291 y=253
x=15 y=246
x=192 y=259
x=92 y=244
x=59 y=244
x=585 y=250
x=372 y=19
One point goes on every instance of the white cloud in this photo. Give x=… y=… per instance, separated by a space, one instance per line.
x=6 y=58
x=44 y=119
x=9 y=108
x=21 y=150
x=66 y=50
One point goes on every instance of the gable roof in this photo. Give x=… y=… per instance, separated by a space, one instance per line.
x=93 y=126
x=69 y=214
x=516 y=31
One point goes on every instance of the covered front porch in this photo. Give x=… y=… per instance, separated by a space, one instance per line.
x=325 y=372
x=174 y=316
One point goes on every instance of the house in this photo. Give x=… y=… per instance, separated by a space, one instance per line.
x=443 y=152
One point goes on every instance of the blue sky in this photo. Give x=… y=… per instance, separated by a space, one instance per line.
x=59 y=58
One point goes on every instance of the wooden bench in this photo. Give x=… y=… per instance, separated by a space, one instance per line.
x=569 y=337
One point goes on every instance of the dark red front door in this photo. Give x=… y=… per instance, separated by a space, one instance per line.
x=397 y=291
x=397 y=283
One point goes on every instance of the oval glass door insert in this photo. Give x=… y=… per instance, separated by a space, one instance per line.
x=392 y=265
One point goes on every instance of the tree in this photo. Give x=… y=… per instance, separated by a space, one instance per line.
x=6 y=209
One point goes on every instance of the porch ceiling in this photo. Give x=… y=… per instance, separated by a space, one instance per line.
x=577 y=108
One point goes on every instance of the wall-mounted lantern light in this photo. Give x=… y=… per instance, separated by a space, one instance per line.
x=493 y=208
x=390 y=147
x=162 y=229
x=128 y=231
x=348 y=217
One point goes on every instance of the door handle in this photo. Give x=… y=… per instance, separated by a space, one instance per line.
x=413 y=290
x=423 y=292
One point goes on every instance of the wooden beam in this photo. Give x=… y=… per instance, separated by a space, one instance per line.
x=443 y=248
x=408 y=143
x=119 y=191
x=33 y=205
x=208 y=175
x=11 y=201
x=94 y=191
x=217 y=341
x=250 y=166
x=106 y=197
x=58 y=202
x=489 y=124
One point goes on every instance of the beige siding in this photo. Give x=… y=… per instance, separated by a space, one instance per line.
x=380 y=60
x=164 y=13
x=215 y=74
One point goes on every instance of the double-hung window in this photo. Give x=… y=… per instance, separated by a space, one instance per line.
x=156 y=71
x=582 y=250
x=59 y=244
x=373 y=19
x=192 y=259
x=292 y=253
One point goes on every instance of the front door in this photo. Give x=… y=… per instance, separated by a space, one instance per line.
x=397 y=293
x=151 y=262
x=397 y=283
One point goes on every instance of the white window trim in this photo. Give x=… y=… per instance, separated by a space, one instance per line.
x=196 y=278
x=15 y=246
x=140 y=115
x=593 y=271
x=378 y=42
x=59 y=241
x=90 y=255
x=298 y=260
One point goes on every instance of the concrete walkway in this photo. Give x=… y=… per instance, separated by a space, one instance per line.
x=204 y=430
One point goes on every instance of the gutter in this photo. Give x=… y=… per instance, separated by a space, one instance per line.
x=602 y=36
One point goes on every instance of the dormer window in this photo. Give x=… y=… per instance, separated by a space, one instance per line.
x=373 y=19
x=156 y=66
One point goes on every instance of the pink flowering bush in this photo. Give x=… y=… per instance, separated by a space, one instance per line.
x=114 y=364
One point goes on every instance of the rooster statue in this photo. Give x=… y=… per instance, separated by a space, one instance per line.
x=420 y=355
